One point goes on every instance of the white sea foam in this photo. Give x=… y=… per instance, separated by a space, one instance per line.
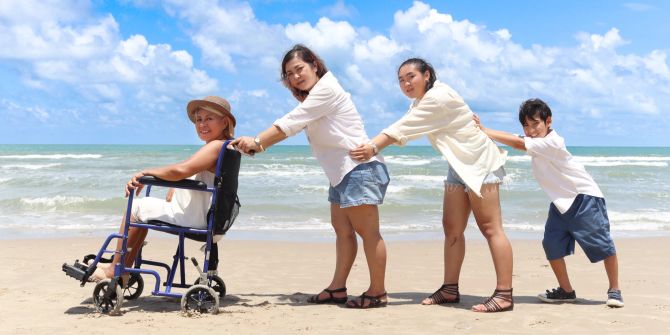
x=264 y=223
x=29 y=166
x=276 y=173
x=651 y=161
x=419 y=178
x=642 y=217
x=54 y=156
x=406 y=160
x=319 y=188
x=2 y=180
x=58 y=200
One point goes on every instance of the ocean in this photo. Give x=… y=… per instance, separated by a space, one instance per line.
x=77 y=190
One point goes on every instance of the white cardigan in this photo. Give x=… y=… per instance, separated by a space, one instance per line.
x=443 y=116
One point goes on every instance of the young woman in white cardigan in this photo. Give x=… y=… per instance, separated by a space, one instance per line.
x=475 y=172
x=334 y=127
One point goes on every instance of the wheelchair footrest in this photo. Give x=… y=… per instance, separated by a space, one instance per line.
x=77 y=271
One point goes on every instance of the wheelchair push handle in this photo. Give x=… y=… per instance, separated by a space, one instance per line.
x=184 y=183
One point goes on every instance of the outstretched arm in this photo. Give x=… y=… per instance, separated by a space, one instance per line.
x=266 y=138
x=505 y=138
x=203 y=159
x=365 y=151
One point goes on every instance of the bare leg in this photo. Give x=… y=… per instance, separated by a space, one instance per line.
x=455 y=212
x=346 y=247
x=365 y=221
x=489 y=220
x=612 y=269
x=136 y=237
x=561 y=273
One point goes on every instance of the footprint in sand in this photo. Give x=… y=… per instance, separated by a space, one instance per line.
x=3 y=291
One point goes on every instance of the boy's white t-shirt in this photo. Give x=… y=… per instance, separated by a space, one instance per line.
x=558 y=174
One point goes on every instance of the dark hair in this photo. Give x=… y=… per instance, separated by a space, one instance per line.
x=422 y=66
x=307 y=56
x=532 y=107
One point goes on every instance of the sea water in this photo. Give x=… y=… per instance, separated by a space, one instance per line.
x=78 y=190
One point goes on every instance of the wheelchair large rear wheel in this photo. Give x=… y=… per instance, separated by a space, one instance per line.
x=217 y=284
x=134 y=288
x=200 y=299
x=105 y=301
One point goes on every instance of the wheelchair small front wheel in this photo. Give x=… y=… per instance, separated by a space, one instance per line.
x=134 y=288
x=217 y=284
x=107 y=300
x=200 y=299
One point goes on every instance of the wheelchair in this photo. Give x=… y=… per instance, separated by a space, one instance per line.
x=204 y=295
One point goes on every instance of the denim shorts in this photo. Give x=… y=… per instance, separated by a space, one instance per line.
x=364 y=185
x=495 y=177
x=585 y=222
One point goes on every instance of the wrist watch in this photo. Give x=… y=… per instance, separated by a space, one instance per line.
x=257 y=141
x=375 y=150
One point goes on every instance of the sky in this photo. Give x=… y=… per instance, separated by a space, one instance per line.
x=122 y=72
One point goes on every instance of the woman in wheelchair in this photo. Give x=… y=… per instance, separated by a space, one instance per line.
x=214 y=123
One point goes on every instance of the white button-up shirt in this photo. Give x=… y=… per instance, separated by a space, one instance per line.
x=332 y=124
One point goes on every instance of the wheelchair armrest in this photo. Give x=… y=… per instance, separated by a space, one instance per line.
x=184 y=183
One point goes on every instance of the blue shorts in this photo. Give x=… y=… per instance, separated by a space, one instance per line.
x=364 y=185
x=495 y=177
x=585 y=222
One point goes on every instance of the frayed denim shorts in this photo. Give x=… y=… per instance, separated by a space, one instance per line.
x=364 y=185
x=495 y=177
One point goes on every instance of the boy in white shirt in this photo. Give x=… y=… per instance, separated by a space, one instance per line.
x=577 y=211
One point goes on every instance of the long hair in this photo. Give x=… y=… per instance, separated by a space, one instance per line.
x=306 y=55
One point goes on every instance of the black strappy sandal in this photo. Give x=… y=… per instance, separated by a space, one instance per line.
x=492 y=306
x=438 y=298
x=331 y=298
x=374 y=301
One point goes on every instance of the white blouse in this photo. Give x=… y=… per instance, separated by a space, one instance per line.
x=443 y=117
x=332 y=125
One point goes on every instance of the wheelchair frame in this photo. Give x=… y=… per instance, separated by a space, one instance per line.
x=203 y=296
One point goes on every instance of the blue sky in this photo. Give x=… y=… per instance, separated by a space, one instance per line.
x=94 y=71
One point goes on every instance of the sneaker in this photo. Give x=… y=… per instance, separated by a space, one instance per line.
x=557 y=295
x=614 y=298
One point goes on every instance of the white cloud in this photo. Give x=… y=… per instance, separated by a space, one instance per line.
x=87 y=54
x=325 y=36
x=339 y=9
x=224 y=32
x=377 y=49
x=637 y=6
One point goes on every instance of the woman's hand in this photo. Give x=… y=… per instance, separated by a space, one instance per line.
x=478 y=122
x=363 y=152
x=134 y=184
x=246 y=145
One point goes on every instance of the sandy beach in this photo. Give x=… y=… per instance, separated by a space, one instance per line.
x=268 y=283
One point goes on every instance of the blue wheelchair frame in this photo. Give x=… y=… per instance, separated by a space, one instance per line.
x=83 y=272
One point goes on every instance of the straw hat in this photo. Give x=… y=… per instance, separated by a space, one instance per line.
x=213 y=104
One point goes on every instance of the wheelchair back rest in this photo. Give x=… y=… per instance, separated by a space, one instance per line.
x=225 y=204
